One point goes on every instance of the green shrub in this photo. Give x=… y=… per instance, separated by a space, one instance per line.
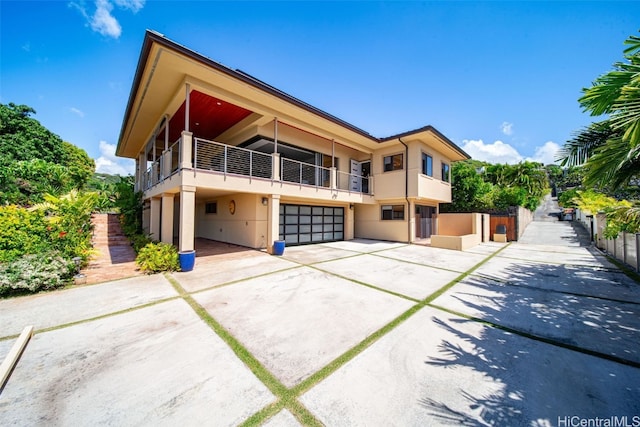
x=22 y=231
x=36 y=272
x=157 y=257
x=139 y=241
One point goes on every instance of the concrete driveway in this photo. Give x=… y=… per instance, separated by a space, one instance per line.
x=348 y=333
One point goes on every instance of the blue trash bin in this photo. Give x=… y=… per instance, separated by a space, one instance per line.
x=187 y=260
x=278 y=247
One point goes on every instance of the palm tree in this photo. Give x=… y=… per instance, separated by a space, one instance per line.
x=611 y=149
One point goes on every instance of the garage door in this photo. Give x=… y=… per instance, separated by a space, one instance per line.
x=300 y=224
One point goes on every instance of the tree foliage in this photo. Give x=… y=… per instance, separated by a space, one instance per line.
x=34 y=161
x=482 y=187
x=610 y=149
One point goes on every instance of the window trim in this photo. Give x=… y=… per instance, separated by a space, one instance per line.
x=391 y=156
x=448 y=177
x=422 y=164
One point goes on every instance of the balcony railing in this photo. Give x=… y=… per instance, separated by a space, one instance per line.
x=232 y=160
x=305 y=173
x=356 y=183
x=229 y=160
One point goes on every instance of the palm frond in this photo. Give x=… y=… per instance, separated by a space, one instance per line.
x=581 y=147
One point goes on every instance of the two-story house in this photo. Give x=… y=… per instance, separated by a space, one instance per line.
x=224 y=156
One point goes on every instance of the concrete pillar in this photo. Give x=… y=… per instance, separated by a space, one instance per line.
x=186 y=238
x=411 y=217
x=154 y=218
x=142 y=167
x=276 y=166
x=185 y=150
x=349 y=222
x=273 y=221
x=333 y=178
x=166 y=226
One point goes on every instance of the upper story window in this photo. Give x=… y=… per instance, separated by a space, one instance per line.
x=445 y=172
x=393 y=163
x=427 y=164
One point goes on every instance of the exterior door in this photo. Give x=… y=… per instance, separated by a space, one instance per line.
x=424 y=221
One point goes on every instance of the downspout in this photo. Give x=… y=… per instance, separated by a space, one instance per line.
x=406 y=188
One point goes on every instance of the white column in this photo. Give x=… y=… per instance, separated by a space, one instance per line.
x=185 y=150
x=187 y=106
x=166 y=231
x=273 y=221
x=154 y=218
x=275 y=171
x=142 y=167
x=186 y=239
x=333 y=178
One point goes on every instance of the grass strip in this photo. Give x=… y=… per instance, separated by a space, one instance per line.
x=286 y=398
x=455 y=281
x=91 y=319
x=353 y=351
x=540 y=338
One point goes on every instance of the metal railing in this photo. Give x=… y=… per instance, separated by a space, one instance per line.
x=232 y=160
x=356 y=183
x=305 y=173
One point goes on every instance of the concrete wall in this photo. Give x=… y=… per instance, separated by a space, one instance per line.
x=456 y=224
x=461 y=231
x=369 y=225
x=247 y=227
x=525 y=216
x=458 y=243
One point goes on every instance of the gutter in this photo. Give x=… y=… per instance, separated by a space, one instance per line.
x=406 y=187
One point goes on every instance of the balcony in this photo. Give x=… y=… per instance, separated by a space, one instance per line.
x=228 y=161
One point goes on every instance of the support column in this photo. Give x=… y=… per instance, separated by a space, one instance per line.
x=185 y=150
x=349 y=222
x=273 y=221
x=333 y=178
x=276 y=167
x=166 y=226
x=154 y=218
x=142 y=168
x=186 y=238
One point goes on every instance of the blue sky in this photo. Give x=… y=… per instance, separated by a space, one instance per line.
x=500 y=79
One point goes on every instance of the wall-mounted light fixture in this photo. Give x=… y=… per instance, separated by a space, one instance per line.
x=265 y=201
x=351 y=206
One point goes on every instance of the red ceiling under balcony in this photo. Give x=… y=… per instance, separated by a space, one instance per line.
x=208 y=117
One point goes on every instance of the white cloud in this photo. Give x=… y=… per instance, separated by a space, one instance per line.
x=102 y=20
x=498 y=152
x=132 y=5
x=506 y=128
x=109 y=163
x=546 y=154
x=77 y=111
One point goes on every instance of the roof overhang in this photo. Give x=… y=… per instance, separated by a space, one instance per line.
x=165 y=68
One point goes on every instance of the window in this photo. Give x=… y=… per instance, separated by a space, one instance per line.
x=445 y=172
x=393 y=212
x=427 y=164
x=211 y=208
x=393 y=163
